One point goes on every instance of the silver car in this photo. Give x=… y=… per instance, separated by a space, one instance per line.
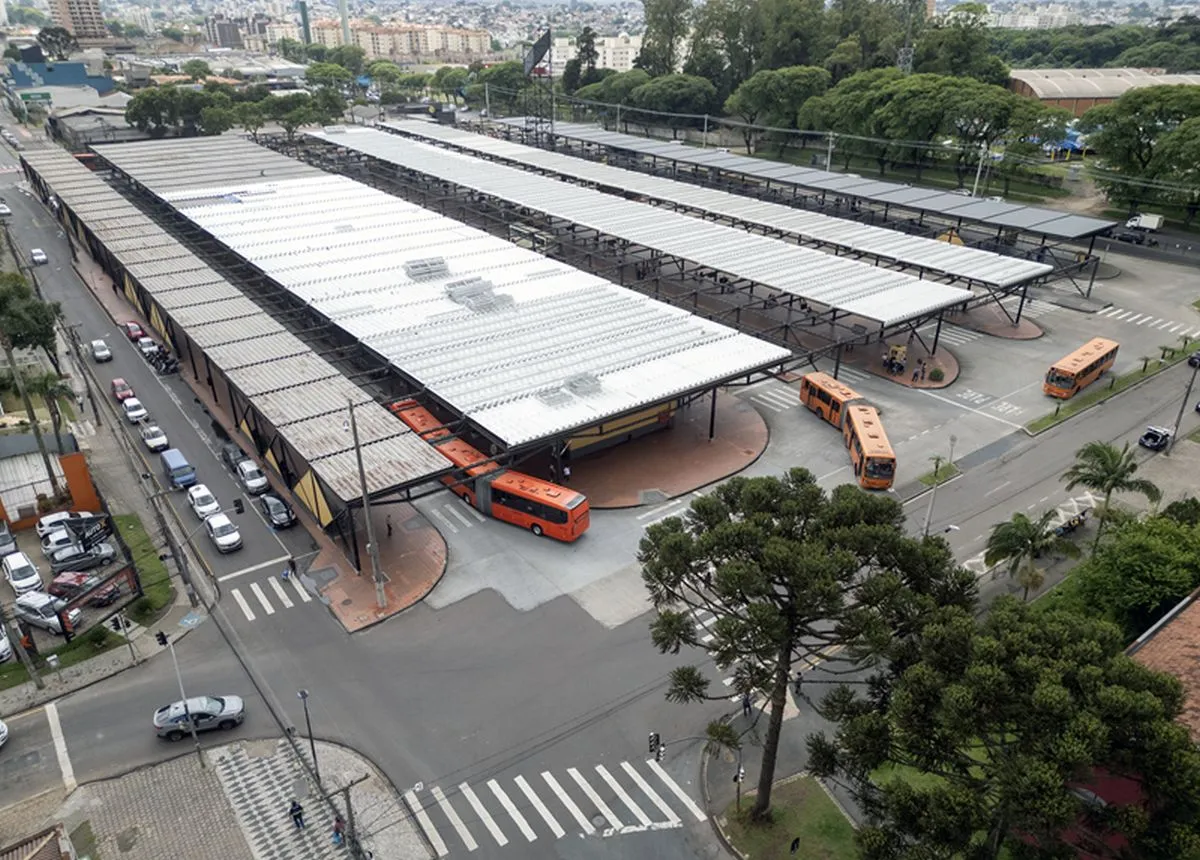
x=134 y=410
x=80 y=559
x=100 y=351
x=252 y=478
x=203 y=503
x=223 y=533
x=205 y=713
x=155 y=438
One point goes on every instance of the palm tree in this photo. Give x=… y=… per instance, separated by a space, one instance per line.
x=1021 y=542
x=1106 y=469
x=51 y=387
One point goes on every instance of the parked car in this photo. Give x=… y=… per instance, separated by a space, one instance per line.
x=223 y=533
x=232 y=454
x=252 y=478
x=41 y=610
x=21 y=573
x=133 y=330
x=148 y=347
x=205 y=712
x=277 y=512
x=58 y=539
x=1194 y=359
x=3 y=730
x=61 y=519
x=77 y=558
x=121 y=389
x=1155 y=438
x=71 y=584
x=8 y=544
x=6 y=653
x=203 y=503
x=155 y=438
x=5 y=211
x=100 y=352
x=134 y=410
x=38 y=257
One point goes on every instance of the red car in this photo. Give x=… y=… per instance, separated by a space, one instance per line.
x=132 y=330
x=121 y=389
x=68 y=586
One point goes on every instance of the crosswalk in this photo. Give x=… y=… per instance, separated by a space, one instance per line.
x=951 y=334
x=1150 y=322
x=851 y=375
x=776 y=398
x=1033 y=309
x=455 y=516
x=263 y=596
x=605 y=801
x=704 y=620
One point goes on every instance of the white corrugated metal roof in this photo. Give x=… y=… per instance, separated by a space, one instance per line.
x=336 y=242
x=955 y=260
x=857 y=288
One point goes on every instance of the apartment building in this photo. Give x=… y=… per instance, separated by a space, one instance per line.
x=406 y=41
x=614 y=52
x=81 y=18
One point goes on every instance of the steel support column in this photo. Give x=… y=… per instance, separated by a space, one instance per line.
x=712 y=416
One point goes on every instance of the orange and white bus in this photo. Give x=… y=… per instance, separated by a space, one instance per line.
x=827 y=397
x=512 y=497
x=870 y=452
x=1081 y=368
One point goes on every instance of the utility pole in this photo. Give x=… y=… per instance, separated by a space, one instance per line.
x=185 y=574
x=1187 y=396
x=10 y=629
x=829 y=152
x=163 y=640
x=372 y=546
x=351 y=833
x=983 y=150
x=937 y=479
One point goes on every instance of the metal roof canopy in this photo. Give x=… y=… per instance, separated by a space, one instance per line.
x=1071 y=226
x=221 y=332
x=216 y=312
x=550 y=367
x=282 y=374
x=200 y=294
x=849 y=286
x=955 y=260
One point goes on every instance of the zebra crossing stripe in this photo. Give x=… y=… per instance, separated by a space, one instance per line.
x=454 y=512
x=580 y=819
x=654 y=796
x=511 y=809
x=452 y=814
x=422 y=817
x=281 y=594
x=262 y=598
x=537 y=804
x=243 y=605
x=442 y=518
x=300 y=589
x=596 y=799
x=484 y=815
x=642 y=818
x=676 y=790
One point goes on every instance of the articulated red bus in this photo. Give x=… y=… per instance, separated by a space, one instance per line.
x=512 y=497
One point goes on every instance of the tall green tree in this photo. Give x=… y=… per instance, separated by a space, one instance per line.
x=327 y=75
x=917 y=111
x=350 y=57
x=52 y=389
x=1021 y=542
x=585 y=50
x=957 y=44
x=790 y=573
x=56 y=42
x=291 y=121
x=292 y=50
x=1106 y=469
x=250 y=117
x=674 y=100
x=1010 y=720
x=197 y=70
x=793 y=33
x=667 y=25
x=26 y=323
x=385 y=72
x=1177 y=161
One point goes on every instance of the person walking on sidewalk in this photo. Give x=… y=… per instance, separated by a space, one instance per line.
x=339 y=829
x=388 y=523
x=297 y=813
x=747 y=706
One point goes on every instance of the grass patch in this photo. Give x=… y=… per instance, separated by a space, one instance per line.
x=11 y=402
x=158 y=592
x=941 y=475
x=1094 y=395
x=84 y=646
x=1194 y=435
x=799 y=808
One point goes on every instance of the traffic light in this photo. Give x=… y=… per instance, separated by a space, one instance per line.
x=239 y=507
x=740 y=775
x=653 y=742
x=161 y=638
x=115 y=623
x=661 y=752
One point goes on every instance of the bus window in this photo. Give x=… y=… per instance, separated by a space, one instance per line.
x=870 y=451
x=1081 y=368
x=827 y=397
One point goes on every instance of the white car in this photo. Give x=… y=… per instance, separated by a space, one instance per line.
x=155 y=438
x=4 y=210
x=21 y=573
x=58 y=539
x=252 y=478
x=38 y=257
x=101 y=352
x=203 y=503
x=223 y=533
x=134 y=410
x=147 y=346
x=62 y=519
x=3 y=729
x=6 y=653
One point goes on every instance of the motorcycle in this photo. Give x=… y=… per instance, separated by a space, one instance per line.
x=1072 y=523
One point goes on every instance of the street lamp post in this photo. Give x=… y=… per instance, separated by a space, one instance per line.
x=372 y=546
x=312 y=745
x=1187 y=395
x=937 y=468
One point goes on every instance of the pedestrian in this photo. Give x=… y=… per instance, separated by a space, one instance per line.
x=388 y=522
x=747 y=709
x=916 y=374
x=339 y=829
x=297 y=813
x=566 y=473
x=288 y=570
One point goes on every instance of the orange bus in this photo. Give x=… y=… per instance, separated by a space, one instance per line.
x=870 y=452
x=1081 y=368
x=512 y=497
x=827 y=397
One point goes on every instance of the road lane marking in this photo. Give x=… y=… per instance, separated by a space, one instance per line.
x=596 y=800
x=511 y=809
x=576 y=813
x=262 y=598
x=241 y=602
x=444 y=521
x=457 y=514
x=422 y=817
x=676 y=790
x=60 y=747
x=484 y=815
x=252 y=568
x=452 y=814
x=980 y=411
x=654 y=796
x=478 y=516
x=280 y=593
x=537 y=804
x=997 y=488
x=300 y=589
x=642 y=818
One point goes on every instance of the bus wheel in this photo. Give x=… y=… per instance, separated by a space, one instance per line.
x=536 y=529
x=466 y=498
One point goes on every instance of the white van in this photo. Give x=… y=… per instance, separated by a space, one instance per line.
x=21 y=573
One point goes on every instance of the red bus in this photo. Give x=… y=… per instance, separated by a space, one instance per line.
x=512 y=497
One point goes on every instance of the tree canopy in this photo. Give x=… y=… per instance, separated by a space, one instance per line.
x=56 y=42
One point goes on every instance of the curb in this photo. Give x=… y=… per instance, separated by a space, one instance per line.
x=716 y=825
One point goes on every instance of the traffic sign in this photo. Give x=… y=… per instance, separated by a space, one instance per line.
x=192 y=619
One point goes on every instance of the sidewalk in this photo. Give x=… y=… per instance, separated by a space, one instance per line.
x=412 y=552
x=144 y=814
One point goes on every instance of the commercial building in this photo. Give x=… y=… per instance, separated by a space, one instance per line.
x=82 y=18
x=1077 y=90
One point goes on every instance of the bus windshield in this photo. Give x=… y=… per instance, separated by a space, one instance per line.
x=1059 y=379
x=880 y=468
